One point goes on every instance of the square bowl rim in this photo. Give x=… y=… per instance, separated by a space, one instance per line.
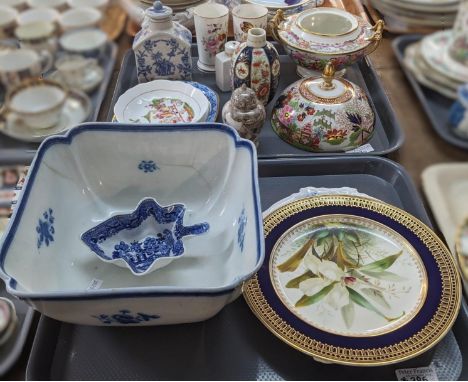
x=145 y=291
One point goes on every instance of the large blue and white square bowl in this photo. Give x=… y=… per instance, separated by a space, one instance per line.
x=98 y=171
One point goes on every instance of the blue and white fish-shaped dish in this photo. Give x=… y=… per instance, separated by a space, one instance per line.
x=144 y=240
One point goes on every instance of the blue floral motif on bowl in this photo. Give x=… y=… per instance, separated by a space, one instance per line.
x=109 y=240
x=242 y=222
x=125 y=317
x=148 y=166
x=45 y=229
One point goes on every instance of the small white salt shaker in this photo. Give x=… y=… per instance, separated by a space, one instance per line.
x=223 y=66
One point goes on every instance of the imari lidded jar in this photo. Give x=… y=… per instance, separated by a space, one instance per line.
x=324 y=114
x=162 y=47
x=256 y=64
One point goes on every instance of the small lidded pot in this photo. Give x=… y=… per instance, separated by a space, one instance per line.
x=245 y=113
x=324 y=114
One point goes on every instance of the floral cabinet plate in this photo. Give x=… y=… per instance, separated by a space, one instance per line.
x=354 y=281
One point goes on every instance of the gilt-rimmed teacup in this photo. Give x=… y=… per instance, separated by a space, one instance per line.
x=79 y=18
x=247 y=16
x=38 y=36
x=37 y=102
x=8 y=17
x=19 y=64
x=85 y=42
x=74 y=68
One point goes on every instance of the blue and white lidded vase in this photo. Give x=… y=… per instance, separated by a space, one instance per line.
x=162 y=47
x=256 y=64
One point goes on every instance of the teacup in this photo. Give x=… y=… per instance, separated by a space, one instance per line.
x=99 y=4
x=79 y=18
x=17 y=4
x=38 y=103
x=19 y=64
x=247 y=16
x=8 y=17
x=85 y=42
x=59 y=5
x=74 y=69
x=36 y=15
x=38 y=36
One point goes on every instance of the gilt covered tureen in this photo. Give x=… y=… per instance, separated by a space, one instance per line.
x=316 y=36
x=324 y=114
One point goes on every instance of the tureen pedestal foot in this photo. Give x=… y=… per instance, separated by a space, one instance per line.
x=205 y=68
x=306 y=73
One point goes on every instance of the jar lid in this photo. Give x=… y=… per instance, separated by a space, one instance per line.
x=327 y=89
x=244 y=98
x=158 y=11
x=230 y=47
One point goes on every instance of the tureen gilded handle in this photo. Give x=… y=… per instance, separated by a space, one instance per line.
x=273 y=24
x=378 y=31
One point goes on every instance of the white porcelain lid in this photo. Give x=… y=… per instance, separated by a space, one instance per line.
x=158 y=11
x=326 y=31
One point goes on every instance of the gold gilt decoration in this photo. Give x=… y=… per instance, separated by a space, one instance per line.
x=436 y=327
x=348 y=94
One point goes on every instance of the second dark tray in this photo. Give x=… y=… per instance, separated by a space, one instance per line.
x=387 y=138
x=234 y=345
x=436 y=106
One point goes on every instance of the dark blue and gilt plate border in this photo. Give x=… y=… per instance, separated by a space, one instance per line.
x=418 y=335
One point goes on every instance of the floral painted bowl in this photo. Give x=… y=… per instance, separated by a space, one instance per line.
x=324 y=114
x=320 y=35
x=203 y=177
x=162 y=102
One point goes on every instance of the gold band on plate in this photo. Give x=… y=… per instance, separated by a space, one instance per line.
x=436 y=328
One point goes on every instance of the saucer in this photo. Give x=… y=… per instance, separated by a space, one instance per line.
x=76 y=110
x=93 y=78
x=434 y=50
x=423 y=78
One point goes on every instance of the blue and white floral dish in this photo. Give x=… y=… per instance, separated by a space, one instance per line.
x=95 y=176
x=162 y=102
x=213 y=99
x=147 y=239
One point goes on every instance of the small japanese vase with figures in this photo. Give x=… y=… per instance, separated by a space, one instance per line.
x=162 y=47
x=324 y=114
x=256 y=64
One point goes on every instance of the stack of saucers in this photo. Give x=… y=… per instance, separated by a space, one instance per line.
x=419 y=13
x=433 y=66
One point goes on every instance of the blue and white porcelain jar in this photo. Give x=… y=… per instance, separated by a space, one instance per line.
x=162 y=47
x=256 y=64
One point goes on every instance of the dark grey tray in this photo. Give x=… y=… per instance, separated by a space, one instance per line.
x=9 y=145
x=10 y=352
x=436 y=106
x=387 y=138
x=234 y=345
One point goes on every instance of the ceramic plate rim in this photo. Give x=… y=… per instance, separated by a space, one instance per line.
x=359 y=355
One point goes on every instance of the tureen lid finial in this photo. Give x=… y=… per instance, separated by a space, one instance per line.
x=328 y=75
